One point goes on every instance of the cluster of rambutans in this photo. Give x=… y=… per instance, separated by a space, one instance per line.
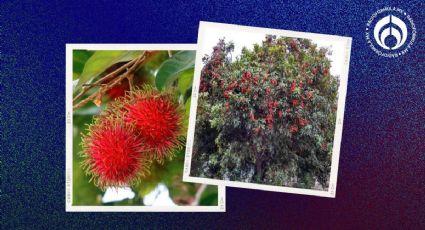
x=263 y=101
x=269 y=98
x=143 y=126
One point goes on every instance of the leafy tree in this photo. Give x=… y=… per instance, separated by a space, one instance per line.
x=267 y=117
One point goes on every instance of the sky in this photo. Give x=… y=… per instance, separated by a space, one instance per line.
x=248 y=39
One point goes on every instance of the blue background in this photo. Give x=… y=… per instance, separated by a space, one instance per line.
x=381 y=180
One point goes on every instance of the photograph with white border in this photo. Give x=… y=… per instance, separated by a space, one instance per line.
x=267 y=109
x=127 y=110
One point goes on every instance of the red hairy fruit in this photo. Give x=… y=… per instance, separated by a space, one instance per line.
x=293 y=129
x=121 y=89
x=293 y=86
x=280 y=114
x=226 y=94
x=113 y=153
x=158 y=119
x=247 y=75
x=302 y=121
x=118 y=90
x=310 y=82
x=293 y=44
x=325 y=72
x=268 y=91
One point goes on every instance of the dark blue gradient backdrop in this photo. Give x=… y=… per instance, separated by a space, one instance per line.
x=381 y=181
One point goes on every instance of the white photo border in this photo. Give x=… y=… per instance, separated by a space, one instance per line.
x=342 y=91
x=69 y=207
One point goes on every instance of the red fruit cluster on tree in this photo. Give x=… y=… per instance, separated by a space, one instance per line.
x=268 y=91
x=293 y=129
x=209 y=72
x=325 y=72
x=293 y=86
x=246 y=76
x=226 y=94
x=293 y=45
x=310 y=82
x=302 y=121
x=280 y=114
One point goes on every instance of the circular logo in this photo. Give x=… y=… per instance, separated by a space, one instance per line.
x=390 y=32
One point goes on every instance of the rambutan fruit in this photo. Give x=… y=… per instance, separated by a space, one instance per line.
x=118 y=90
x=293 y=86
x=112 y=152
x=280 y=114
x=293 y=129
x=158 y=118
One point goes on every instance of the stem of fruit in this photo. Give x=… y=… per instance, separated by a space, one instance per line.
x=130 y=79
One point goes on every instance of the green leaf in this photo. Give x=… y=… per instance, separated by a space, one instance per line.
x=101 y=60
x=160 y=173
x=185 y=81
x=75 y=76
x=187 y=107
x=148 y=70
x=144 y=189
x=79 y=59
x=173 y=68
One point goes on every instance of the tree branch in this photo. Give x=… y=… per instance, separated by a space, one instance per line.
x=130 y=67
x=87 y=87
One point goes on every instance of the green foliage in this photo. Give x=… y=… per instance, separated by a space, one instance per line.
x=84 y=192
x=80 y=58
x=267 y=117
x=100 y=61
x=180 y=64
x=177 y=71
